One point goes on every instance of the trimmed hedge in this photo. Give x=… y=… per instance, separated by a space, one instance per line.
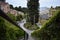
x=50 y=30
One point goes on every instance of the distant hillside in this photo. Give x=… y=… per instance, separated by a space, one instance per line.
x=44 y=10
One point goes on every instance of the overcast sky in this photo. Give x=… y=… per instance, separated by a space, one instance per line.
x=43 y=3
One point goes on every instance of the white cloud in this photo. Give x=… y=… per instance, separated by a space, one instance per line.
x=22 y=3
x=43 y=3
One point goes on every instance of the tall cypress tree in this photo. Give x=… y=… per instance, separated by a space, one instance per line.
x=33 y=6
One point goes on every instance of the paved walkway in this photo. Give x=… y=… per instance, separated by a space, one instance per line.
x=21 y=24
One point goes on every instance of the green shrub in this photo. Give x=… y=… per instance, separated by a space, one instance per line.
x=13 y=17
x=2 y=29
x=13 y=32
x=29 y=26
x=8 y=31
x=19 y=17
x=50 y=30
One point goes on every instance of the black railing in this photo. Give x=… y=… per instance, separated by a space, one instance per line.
x=2 y=14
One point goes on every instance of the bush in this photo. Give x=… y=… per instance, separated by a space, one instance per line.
x=50 y=30
x=13 y=32
x=29 y=26
x=8 y=31
x=13 y=17
x=19 y=17
x=2 y=29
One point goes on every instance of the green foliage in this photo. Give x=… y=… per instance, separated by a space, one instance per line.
x=24 y=9
x=30 y=26
x=18 y=8
x=8 y=31
x=33 y=6
x=12 y=32
x=19 y=17
x=50 y=30
x=13 y=17
x=57 y=7
x=11 y=6
x=2 y=29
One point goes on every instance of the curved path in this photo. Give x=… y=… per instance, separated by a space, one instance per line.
x=21 y=24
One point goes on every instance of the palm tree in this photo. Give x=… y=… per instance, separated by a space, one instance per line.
x=33 y=6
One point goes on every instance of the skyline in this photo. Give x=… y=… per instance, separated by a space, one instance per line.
x=43 y=3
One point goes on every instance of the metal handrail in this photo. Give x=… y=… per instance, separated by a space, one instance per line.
x=2 y=14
